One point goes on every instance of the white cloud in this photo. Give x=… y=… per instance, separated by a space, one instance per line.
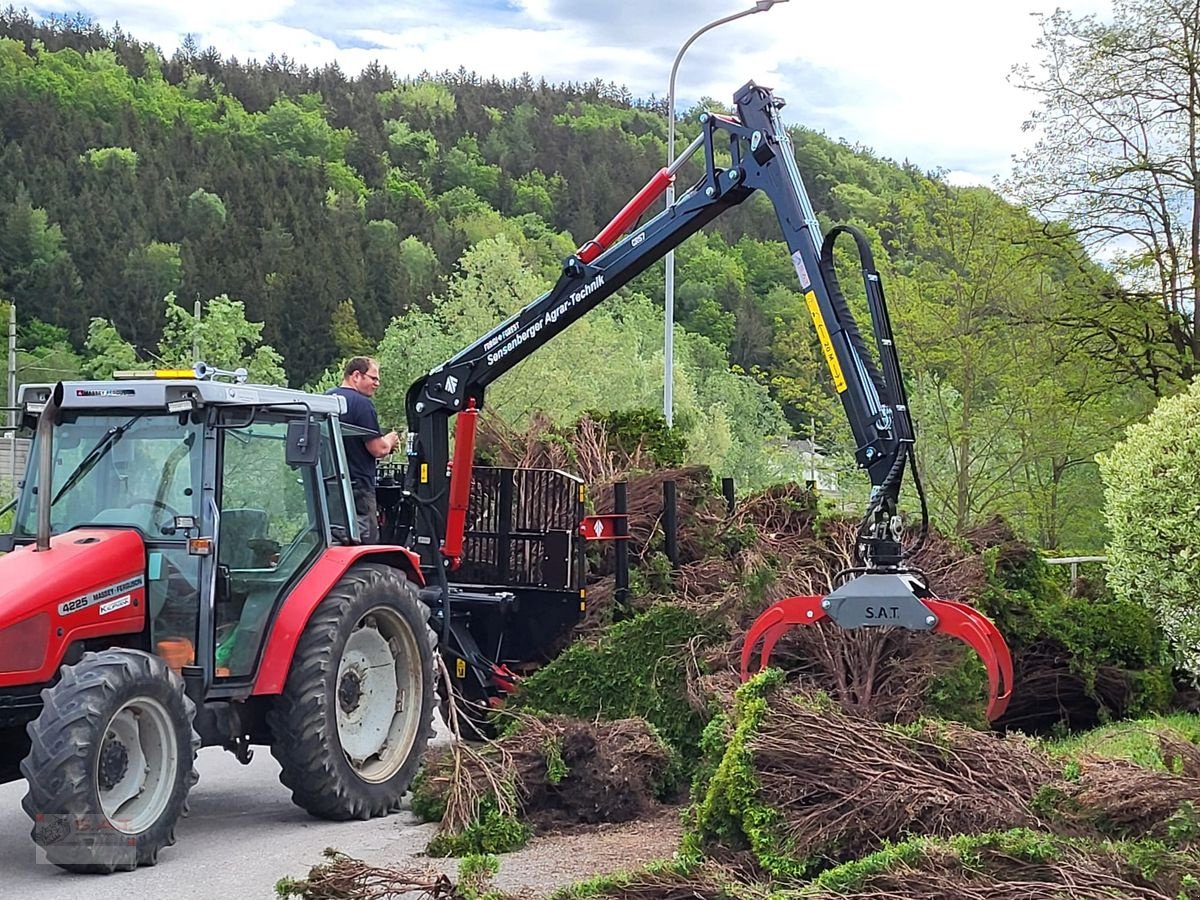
x=925 y=80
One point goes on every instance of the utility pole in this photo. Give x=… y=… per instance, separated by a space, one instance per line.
x=12 y=365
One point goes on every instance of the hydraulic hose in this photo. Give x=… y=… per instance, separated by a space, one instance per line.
x=840 y=307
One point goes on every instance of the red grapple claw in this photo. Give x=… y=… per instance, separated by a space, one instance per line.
x=952 y=617
x=774 y=621
x=972 y=627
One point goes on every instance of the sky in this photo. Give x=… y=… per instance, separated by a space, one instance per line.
x=923 y=81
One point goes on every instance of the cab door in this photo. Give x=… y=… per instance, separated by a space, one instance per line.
x=272 y=527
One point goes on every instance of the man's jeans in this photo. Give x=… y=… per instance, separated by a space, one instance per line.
x=367 y=513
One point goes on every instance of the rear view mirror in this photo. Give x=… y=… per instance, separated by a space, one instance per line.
x=303 y=442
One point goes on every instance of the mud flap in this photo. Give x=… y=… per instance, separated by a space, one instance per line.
x=876 y=600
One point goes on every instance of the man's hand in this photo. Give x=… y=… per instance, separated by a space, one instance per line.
x=381 y=446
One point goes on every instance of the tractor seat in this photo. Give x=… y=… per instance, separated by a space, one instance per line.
x=243 y=530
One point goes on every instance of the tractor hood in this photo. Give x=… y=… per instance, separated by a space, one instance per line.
x=90 y=582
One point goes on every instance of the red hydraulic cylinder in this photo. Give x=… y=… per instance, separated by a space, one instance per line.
x=633 y=210
x=460 y=483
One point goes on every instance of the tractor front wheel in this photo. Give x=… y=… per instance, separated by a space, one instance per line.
x=112 y=758
x=356 y=712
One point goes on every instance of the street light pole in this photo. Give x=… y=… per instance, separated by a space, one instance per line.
x=669 y=329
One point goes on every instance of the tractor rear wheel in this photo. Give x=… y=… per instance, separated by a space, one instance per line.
x=112 y=758
x=356 y=712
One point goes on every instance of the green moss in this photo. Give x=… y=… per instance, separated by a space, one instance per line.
x=730 y=814
x=639 y=667
x=1149 y=860
x=1029 y=605
x=428 y=805
x=852 y=876
x=961 y=693
x=614 y=883
x=1183 y=827
x=490 y=832
x=756 y=582
x=556 y=768
x=475 y=874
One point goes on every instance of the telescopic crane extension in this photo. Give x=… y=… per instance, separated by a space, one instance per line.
x=881 y=589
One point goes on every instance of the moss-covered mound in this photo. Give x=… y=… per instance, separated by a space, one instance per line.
x=548 y=773
x=1013 y=865
x=803 y=786
x=1082 y=657
x=645 y=667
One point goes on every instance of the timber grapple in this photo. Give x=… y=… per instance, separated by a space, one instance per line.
x=875 y=600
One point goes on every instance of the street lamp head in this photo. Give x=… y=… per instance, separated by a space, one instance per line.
x=764 y=5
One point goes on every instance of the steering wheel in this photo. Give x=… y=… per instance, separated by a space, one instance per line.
x=157 y=504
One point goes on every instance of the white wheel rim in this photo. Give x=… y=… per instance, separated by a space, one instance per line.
x=136 y=765
x=378 y=695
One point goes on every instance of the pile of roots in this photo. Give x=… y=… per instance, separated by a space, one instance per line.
x=773 y=544
x=551 y=772
x=733 y=565
x=1013 y=865
x=341 y=877
x=803 y=786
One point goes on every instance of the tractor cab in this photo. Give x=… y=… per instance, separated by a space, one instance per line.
x=233 y=491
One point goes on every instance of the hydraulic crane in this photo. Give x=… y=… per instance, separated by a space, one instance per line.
x=881 y=590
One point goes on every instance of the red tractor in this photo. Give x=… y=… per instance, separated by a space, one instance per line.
x=182 y=572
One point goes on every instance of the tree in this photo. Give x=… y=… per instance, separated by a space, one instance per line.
x=223 y=336
x=611 y=359
x=105 y=351
x=347 y=336
x=1118 y=158
x=205 y=213
x=151 y=272
x=36 y=269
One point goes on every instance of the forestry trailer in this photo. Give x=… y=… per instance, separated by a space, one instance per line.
x=184 y=567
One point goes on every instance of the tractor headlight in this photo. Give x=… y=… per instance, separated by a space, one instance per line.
x=23 y=645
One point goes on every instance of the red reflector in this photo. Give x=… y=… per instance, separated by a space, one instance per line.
x=23 y=645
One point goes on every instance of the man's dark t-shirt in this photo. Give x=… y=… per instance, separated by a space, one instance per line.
x=360 y=412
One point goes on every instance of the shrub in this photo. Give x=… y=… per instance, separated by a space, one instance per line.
x=1153 y=516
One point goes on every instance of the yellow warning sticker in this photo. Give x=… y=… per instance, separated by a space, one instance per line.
x=424 y=473
x=460 y=668
x=831 y=360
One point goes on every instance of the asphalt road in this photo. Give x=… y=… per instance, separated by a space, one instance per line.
x=242 y=835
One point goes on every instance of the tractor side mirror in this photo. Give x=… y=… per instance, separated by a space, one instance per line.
x=303 y=442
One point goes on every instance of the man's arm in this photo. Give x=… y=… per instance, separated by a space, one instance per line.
x=381 y=446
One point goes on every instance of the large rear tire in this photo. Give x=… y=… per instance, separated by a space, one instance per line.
x=112 y=758
x=356 y=712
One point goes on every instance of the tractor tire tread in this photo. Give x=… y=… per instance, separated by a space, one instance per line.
x=62 y=737
x=310 y=758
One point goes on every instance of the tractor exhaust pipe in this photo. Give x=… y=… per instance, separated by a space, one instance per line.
x=45 y=461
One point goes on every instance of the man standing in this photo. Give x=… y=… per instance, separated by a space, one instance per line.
x=360 y=380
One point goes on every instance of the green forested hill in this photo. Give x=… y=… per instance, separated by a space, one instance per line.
x=339 y=208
